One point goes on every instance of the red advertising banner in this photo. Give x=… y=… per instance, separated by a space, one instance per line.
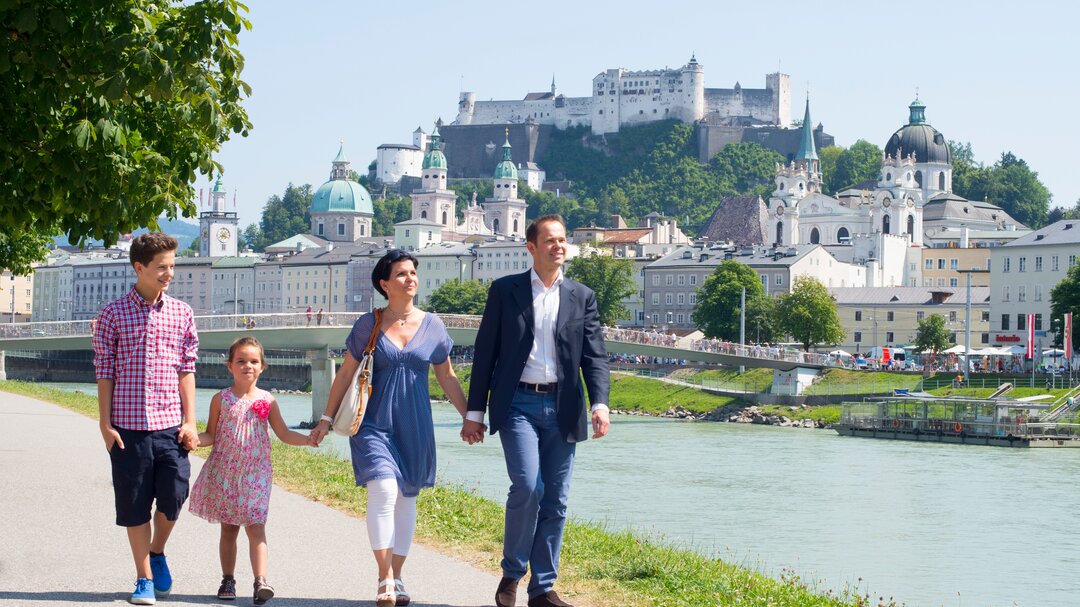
x=1030 y=353
x=1066 y=343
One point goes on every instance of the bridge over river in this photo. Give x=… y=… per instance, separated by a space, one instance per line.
x=792 y=370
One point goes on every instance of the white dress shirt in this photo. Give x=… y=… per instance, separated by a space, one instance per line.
x=540 y=367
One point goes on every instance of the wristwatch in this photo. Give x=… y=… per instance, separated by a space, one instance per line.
x=327 y=419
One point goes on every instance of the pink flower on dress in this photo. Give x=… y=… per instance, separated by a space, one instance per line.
x=261 y=407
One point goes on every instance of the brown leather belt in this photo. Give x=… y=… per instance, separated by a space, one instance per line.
x=543 y=388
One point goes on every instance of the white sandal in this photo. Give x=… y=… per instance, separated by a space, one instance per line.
x=403 y=597
x=387 y=596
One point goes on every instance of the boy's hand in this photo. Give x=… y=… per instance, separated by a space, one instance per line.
x=188 y=436
x=111 y=437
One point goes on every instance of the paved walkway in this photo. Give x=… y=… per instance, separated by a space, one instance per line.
x=59 y=544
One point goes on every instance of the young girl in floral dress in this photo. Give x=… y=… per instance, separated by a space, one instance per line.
x=234 y=486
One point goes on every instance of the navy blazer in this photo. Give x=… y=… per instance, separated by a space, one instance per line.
x=505 y=339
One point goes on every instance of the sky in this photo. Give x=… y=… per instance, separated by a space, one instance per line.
x=1000 y=75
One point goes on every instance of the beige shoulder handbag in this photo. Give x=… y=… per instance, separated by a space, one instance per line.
x=354 y=403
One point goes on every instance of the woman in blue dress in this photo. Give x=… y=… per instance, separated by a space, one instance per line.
x=393 y=453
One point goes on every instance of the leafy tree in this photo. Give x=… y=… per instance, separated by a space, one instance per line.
x=761 y=319
x=251 y=238
x=970 y=179
x=861 y=162
x=457 y=297
x=1016 y=188
x=1058 y=213
x=1065 y=297
x=718 y=304
x=193 y=249
x=287 y=215
x=932 y=336
x=808 y=314
x=389 y=211
x=611 y=279
x=828 y=156
x=108 y=112
x=748 y=168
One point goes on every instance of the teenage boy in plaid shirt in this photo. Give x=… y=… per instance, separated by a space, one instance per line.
x=145 y=348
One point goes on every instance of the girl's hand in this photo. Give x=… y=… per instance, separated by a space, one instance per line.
x=319 y=432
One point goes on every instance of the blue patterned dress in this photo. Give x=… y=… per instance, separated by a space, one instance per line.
x=397 y=436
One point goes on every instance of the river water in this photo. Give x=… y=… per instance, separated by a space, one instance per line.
x=929 y=525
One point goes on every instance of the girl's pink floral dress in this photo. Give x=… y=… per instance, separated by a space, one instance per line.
x=234 y=485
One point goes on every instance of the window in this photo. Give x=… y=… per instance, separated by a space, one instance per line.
x=941 y=282
x=693 y=299
x=669 y=280
x=941 y=263
x=890 y=316
x=680 y=318
x=682 y=279
x=1021 y=264
x=655 y=317
x=320 y=229
x=954 y=264
x=693 y=279
x=952 y=338
x=858 y=336
x=858 y=315
x=1038 y=322
x=681 y=299
x=919 y=315
x=779 y=279
x=1021 y=293
x=1038 y=263
x=1021 y=322
x=954 y=282
x=952 y=316
x=1004 y=322
x=1054 y=263
x=341 y=229
x=889 y=337
x=1006 y=264
x=1005 y=293
x=667 y=299
x=656 y=280
x=1072 y=260
x=1038 y=292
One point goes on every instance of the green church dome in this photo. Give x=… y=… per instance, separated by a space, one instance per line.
x=506 y=168
x=342 y=195
x=435 y=159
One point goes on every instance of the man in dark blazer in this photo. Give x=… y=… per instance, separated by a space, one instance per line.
x=539 y=336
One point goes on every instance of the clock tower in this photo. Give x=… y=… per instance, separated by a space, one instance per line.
x=218 y=235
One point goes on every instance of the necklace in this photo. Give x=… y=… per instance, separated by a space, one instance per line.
x=399 y=317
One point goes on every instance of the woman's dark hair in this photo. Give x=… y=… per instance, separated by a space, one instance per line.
x=382 y=268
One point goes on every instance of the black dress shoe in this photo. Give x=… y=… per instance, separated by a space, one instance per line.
x=506 y=595
x=548 y=599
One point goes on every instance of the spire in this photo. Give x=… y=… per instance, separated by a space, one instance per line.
x=339 y=169
x=506 y=147
x=341 y=152
x=807 y=150
x=917 y=111
x=553 y=84
x=435 y=159
x=506 y=168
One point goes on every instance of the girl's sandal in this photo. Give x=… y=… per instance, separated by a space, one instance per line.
x=387 y=597
x=403 y=597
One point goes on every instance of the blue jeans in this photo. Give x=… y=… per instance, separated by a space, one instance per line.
x=539 y=462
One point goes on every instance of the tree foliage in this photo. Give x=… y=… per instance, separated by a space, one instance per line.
x=746 y=168
x=457 y=297
x=827 y=158
x=861 y=162
x=719 y=301
x=389 y=211
x=1056 y=214
x=1065 y=297
x=108 y=112
x=252 y=238
x=808 y=314
x=1009 y=183
x=932 y=336
x=610 y=278
x=287 y=215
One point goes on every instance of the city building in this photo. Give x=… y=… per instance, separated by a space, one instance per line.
x=97 y=281
x=655 y=236
x=1022 y=274
x=16 y=297
x=442 y=263
x=219 y=233
x=873 y=317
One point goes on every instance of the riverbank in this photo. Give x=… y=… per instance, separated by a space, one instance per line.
x=599 y=567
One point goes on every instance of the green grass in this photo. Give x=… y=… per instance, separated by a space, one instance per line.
x=753 y=380
x=823 y=414
x=631 y=393
x=845 y=381
x=599 y=568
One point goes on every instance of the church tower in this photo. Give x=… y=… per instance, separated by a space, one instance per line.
x=433 y=201
x=218 y=227
x=504 y=210
x=794 y=182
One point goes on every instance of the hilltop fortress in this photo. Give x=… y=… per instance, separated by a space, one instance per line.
x=623 y=97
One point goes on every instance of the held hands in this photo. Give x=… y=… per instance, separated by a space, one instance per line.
x=473 y=432
x=318 y=433
x=600 y=423
x=188 y=436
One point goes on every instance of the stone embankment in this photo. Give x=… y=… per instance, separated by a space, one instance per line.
x=736 y=414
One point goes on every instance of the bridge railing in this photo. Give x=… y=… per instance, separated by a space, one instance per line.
x=232 y=322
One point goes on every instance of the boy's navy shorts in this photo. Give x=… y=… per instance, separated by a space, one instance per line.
x=151 y=466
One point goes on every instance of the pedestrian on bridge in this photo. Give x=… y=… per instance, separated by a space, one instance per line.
x=393 y=452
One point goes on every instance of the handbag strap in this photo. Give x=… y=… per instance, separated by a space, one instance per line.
x=375 y=330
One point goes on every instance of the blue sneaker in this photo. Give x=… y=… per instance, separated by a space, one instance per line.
x=144 y=592
x=162 y=578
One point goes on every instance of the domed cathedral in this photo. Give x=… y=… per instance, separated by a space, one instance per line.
x=504 y=211
x=434 y=201
x=341 y=210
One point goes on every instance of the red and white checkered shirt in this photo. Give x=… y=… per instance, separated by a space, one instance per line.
x=143 y=348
